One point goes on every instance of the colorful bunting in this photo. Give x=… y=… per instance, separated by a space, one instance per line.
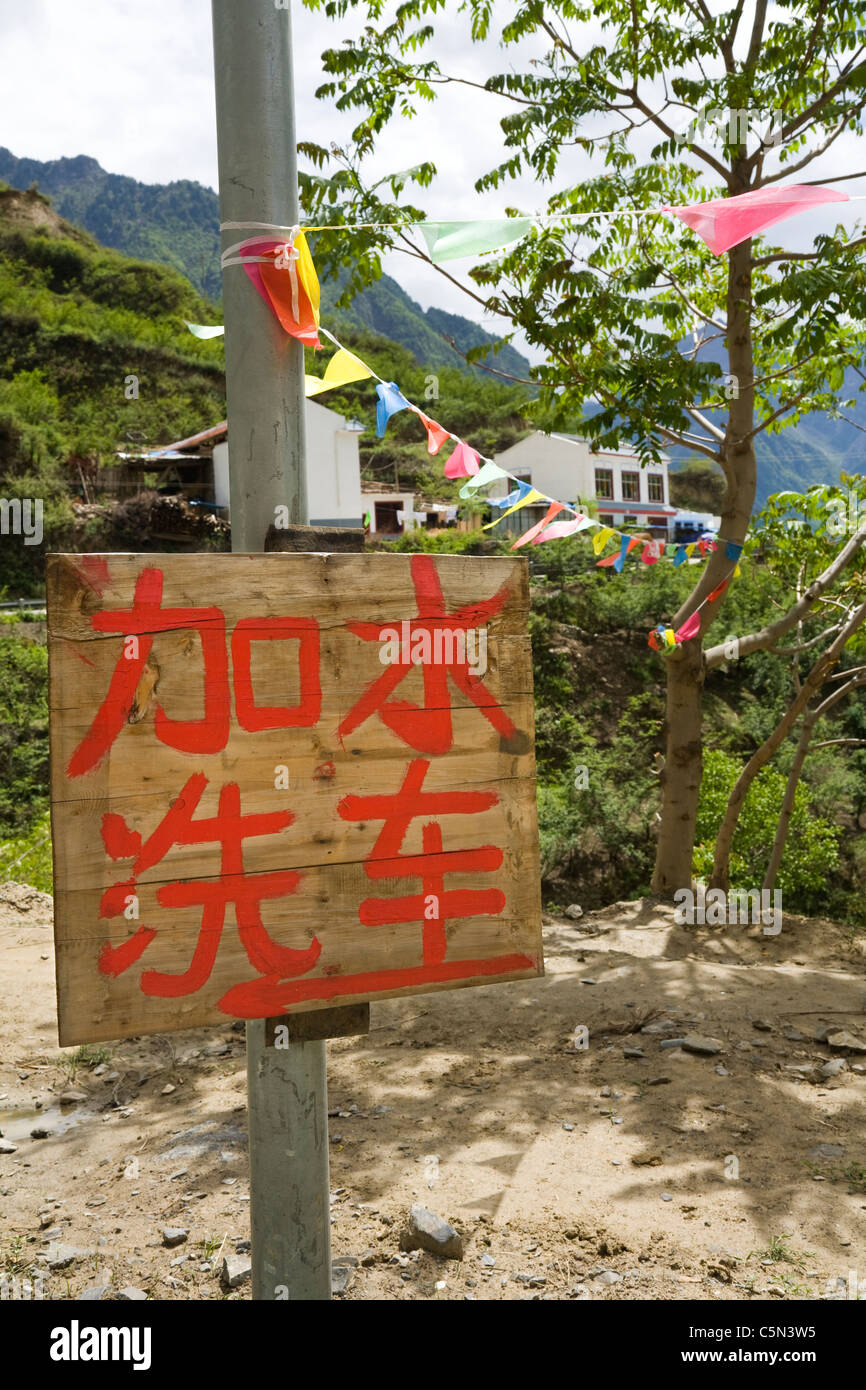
x=205 y=330
x=343 y=367
x=463 y=462
x=488 y=473
x=627 y=543
x=601 y=538
x=514 y=496
x=733 y=550
x=690 y=628
x=563 y=528
x=652 y=552
x=552 y=511
x=391 y=399
x=725 y=222
x=527 y=495
x=446 y=241
x=436 y=436
x=285 y=277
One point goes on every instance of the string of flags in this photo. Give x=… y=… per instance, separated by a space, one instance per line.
x=281 y=270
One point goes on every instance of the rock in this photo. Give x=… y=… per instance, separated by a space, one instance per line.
x=704 y=1047
x=658 y=1081
x=174 y=1235
x=132 y=1169
x=95 y=1293
x=236 y=1270
x=427 y=1231
x=487 y=1260
x=215 y=1049
x=587 y=981
x=794 y=1035
x=721 y=1071
x=60 y=1256
x=341 y=1277
x=605 y=1277
x=834 y=1067
x=40 y=1133
x=646 y=1160
x=574 y=912
x=827 y=1151
x=762 y=1025
x=167 y=1089
x=568 y=1127
x=668 y=1043
x=632 y=1052
x=7 y=1148
x=666 y=1197
x=243 y=1247
x=846 y=1040
x=821 y=1032
x=131 y=1295
x=73 y=1098
x=368 y=1258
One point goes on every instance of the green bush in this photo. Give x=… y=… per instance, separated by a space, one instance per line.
x=27 y=858
x=812 y=849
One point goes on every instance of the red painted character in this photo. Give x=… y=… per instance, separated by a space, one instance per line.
x=427 y=728
x=209 y=734
x=434 y=905
x=228 y=828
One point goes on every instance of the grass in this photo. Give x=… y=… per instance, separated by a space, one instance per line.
x=856 y=1176
x=88 y=1055
x=778 y=1251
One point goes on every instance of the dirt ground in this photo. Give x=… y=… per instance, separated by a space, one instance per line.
x=571 y=1171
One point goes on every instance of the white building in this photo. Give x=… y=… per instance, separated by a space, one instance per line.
x=198 y=467
x=562 y=466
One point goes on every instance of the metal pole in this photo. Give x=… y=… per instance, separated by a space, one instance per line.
x=287 y=1096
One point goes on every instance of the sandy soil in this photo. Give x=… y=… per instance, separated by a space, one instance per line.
x=570 y=1172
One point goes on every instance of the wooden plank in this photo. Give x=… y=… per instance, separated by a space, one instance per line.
x=351 y=1021
x=256 y=825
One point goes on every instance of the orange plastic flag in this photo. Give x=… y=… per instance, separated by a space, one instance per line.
x=292 y=287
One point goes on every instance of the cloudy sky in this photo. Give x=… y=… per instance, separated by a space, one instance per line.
x=130 y=82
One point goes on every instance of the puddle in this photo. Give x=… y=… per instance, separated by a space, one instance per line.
x=16 y=1124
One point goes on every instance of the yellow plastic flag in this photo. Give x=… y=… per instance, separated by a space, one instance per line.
x=690 y=549
x=343 y=367
x=531 y=496
x=601 y=538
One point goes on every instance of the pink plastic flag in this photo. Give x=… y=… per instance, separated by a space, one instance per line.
x=463 y=462
x=258 y=246
x=690 y=628
x=725 y=222
x=562 y=528
x=652 y=552
x=533 y=531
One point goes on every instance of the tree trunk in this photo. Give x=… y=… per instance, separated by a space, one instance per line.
x=788 y=804
x=681 y=777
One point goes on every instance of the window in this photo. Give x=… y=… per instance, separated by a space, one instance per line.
x=630 y=487
x=604 y=482
x=605 y=520
x=656 y=487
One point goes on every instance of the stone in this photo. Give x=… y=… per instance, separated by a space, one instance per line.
x=341 y=1276
x=588 y=981
x=73 y=1098
x=40 y=1133
x=846 y=1040
x=632 y=1052
x=427 y=1231
x=487 y=1260
x=236 y=1270
x=131 y=1294
x=568 y=1127
x=174 y=1235
x=658 y=1081
x=95 y=1293
x=721 y=1071
x=167 y=1089
x=7 y=1148
x=704 y=1047
x=827 y=1151
x=668 y=1043
x=368 y=1258
x=666 y=1197
x=59 y=1256
x=834 y=1067
x=574 y=912
x=605 y=1277
x=762 y=1025
x=243 y=1247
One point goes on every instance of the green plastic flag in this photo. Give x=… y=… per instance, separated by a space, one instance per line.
x=447 y=241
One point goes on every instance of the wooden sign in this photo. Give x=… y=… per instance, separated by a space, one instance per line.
x=283 y=782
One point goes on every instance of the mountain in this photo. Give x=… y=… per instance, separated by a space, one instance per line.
x=178 y=225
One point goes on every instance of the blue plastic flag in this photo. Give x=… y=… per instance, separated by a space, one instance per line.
x=624 y=548
x=680 y=556
x=391 y=399
x=733 y=550
x=516 y=495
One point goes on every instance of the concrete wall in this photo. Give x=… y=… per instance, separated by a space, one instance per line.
x=333 y=470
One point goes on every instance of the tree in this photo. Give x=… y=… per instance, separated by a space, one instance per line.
x=829 y=588
x=626 y=309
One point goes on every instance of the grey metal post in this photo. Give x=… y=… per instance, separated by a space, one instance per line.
x=287 y=1098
